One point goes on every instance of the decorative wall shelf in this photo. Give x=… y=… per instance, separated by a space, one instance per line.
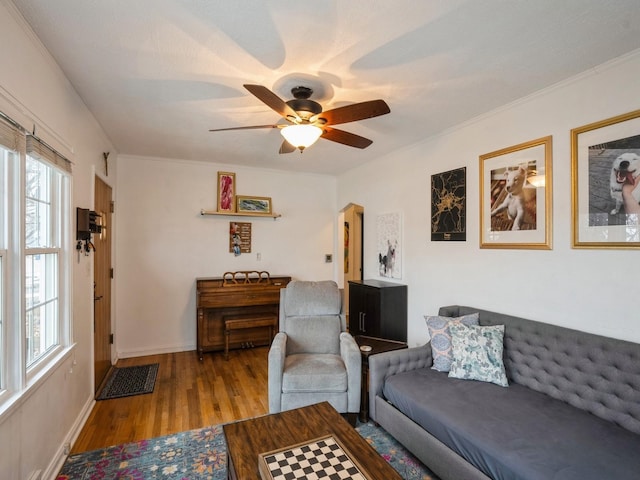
x=239 y=214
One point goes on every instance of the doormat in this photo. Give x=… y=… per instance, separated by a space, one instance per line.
x=128 y=381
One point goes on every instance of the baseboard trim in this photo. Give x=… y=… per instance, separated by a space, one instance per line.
x=59 y=458
x=156 y=351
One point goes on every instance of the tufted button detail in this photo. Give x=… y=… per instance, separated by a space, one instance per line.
x=597 y=374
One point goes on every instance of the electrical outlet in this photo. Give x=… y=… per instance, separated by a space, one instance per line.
x=328 y=258
x=258 y=256
x=66 y=449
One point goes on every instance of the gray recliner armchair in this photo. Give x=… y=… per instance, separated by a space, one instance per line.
x=312 y=358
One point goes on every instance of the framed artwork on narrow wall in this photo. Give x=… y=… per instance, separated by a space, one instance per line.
x=389 y=245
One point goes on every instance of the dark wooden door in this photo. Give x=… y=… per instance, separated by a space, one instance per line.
x=102 y=283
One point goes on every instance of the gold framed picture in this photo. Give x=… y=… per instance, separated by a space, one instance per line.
x=605 y=183
x=516 y=196
x=226 y=192
x=250 y=204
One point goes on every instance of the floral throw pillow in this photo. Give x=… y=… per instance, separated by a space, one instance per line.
x=441 y=338
x=477 y=353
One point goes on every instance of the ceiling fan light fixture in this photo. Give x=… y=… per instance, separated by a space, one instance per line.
x=301 y=136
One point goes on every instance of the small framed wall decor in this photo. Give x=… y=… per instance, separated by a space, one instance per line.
x=448 y=206
x=226 y=192
x=250 y=204
x=515 y=196
x=605 y=181
x=239 y=237
x=389 y=244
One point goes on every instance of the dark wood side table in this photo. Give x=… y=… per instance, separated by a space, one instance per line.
x=378 y=345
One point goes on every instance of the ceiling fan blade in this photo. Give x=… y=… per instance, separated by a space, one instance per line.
x=245 y=128
x=346 y=138
x=273 y=101
x=357 y=111
x=286 y=147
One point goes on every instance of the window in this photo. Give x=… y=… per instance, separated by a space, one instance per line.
x=34 y=259
x=4 y=154
x=42 y=252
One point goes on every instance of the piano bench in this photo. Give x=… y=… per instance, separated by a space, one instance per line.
x=242 y=322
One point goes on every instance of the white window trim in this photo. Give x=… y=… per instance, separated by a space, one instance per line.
x=18 y=382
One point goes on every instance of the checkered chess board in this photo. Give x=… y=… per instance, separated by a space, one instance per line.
x=321 y=459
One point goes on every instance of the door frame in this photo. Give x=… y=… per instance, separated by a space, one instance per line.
x=95 y=176
x=352 y=248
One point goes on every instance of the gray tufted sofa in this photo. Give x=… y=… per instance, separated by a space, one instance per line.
x=571 y=411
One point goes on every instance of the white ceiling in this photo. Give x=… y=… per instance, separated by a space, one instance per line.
x=158 y=74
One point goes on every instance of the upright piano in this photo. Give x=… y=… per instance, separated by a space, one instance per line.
x=236 y=295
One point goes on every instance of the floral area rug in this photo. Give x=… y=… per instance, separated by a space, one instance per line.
x=201 y=454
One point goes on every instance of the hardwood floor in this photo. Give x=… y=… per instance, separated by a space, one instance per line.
x=188 y=394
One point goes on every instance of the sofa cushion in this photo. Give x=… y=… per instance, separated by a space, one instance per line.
x=477 y=353
x=515 y=432
x=440 y=336
x=314 y=373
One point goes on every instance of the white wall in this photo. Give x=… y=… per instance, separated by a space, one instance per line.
x=582 y=289
x=34 y=91
x=164 y=243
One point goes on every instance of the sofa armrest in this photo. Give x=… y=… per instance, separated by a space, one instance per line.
x=276 y=367
x=383 y=365
x=352 y=358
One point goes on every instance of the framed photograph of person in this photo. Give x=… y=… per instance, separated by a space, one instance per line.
x=516 y=196
x=226 y=192
x=605 y=178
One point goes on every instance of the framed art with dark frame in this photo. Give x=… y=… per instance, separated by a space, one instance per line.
x=516 y=195
x=605 y=178
x=226 y=192
x=448 y=205
x=256 y=205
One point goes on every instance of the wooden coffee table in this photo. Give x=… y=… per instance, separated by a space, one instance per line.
x=246 y=439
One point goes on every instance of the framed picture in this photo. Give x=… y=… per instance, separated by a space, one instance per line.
x=226 y=192
x=515 y=196
x=448 y=206
x=605 y=170
x=247 y=204
x=239 y=237
x=389 y=245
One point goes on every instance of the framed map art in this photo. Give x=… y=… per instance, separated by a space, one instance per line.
x=448 y=205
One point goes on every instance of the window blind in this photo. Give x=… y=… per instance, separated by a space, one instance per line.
x=11 y=135
x=36 y=148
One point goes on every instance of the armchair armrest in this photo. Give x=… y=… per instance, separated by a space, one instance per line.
x=350 y=353
x=383 y=365
x=277 y=354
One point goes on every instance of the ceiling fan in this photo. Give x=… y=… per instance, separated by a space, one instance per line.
x=307 y=122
